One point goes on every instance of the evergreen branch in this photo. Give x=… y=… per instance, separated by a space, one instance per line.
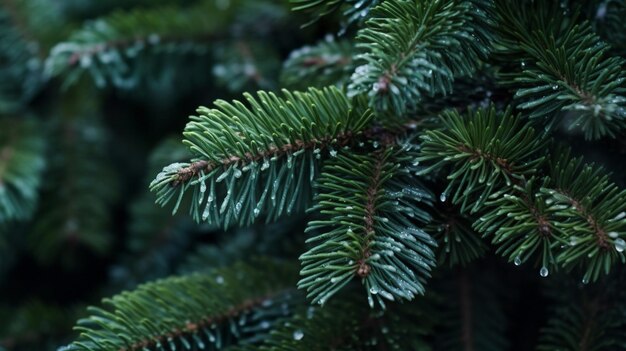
x=471 y=312
x=329 y=62
x=109 y=47
x=585 y=318
x=414 y=49
x=68 y=222
x=591 y=211
x=342 y=325
x=21 y=166
x=458 y=243
x=245 y=66
x=608 y=22
x=220 y=308
x=354 y=10
x=258 y=159
x=523 y=224
x=371 y=205
x=487 y=151
x=565 y=67
x=21 y=69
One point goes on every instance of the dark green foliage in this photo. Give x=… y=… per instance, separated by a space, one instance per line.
x=75 y=218
x=586 y=317
x=589 y=211
x=246 y=66
x=341 y=325
x=362 y=169
x=486 y=149
x=326 y=63
x=458 y=243
x=372 y=210
x=213 y=309
x=571 y=71
x=471 y=312
x=21 y=165
x=353 y=10
x=415 y=49
x=251 y=163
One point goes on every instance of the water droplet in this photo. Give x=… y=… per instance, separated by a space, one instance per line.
x=555 y=87
x=443 y=197
x=585 y=280
x=517 y=261
x=237 y=173
x=265 y=325
x=620 y=245
x=256 y=211
x=613 y=235
x=298 y=335
x=265 y=165
x=202 y=187
x=543 y=272
x=523 y=64
x=573 y=240
x=219 y=279
x=374 y=290
x=333 y=153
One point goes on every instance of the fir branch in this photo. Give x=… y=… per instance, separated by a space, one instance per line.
x=585 y=318
x=343 y=325
x=414 y=49
x=471 y=312
x=590 y=210
x=565 y=68
x=225 y=306
x=329 y=62
x=115 y=48
x=371 y=204
x=487 y=149
x=21 y=166
x=256 y=158
x=353 y=10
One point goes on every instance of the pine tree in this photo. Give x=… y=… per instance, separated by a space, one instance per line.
x=359 y=175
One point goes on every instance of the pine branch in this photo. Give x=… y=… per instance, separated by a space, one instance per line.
x=371 y=205
x=21 y=165
x=259 y=159
x=565 y=69
x=413 y=49
x=237 y=304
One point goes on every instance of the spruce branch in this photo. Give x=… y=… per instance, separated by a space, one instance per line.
x=561 y=210
x=371 y=207
x=259 y=159
x=329 y=62
x=21 y=166
x=487 y=150
x=353 y=10
x=412 y=49
x=564 y=68
x=343 y=325
x=211 y=309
